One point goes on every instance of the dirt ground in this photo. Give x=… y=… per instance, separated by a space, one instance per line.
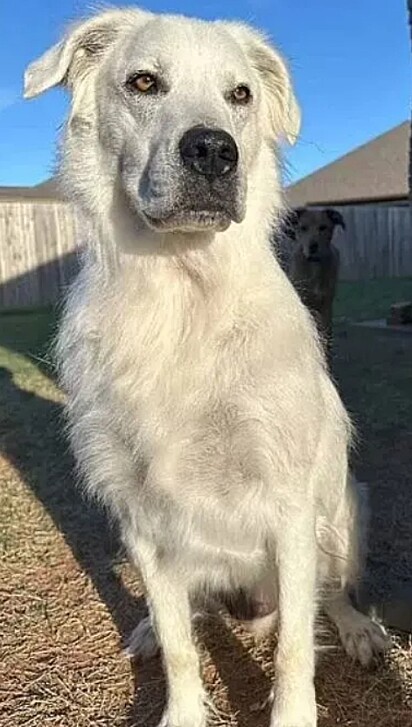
x=68 y=599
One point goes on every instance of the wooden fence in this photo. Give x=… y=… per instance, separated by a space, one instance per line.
x=377 y=242
x=38 y=248
x=37 y=252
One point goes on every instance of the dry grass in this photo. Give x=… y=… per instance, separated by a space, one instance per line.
x=68 y=599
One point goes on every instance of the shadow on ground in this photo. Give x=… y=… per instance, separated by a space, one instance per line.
x=30 y=436
x=31 y=439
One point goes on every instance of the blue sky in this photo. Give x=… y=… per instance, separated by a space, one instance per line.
x=350 y=61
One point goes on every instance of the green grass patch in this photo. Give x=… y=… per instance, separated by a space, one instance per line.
x=374 y=375
x=371 y=299
x=25 y=340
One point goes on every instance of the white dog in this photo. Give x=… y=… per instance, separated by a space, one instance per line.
x=199 y=405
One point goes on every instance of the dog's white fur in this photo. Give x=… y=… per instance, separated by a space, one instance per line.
x=200 y=409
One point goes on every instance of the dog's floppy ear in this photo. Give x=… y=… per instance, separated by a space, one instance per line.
x=295 y=214
x=336 y=217
x=291 y=221
x=282 y=110
x=77 y=53
x=298 y=212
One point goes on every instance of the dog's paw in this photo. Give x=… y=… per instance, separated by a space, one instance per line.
x=142 y=642
x=364 y=640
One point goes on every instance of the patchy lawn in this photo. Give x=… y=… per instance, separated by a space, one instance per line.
x=359 y=301
x=68 y=599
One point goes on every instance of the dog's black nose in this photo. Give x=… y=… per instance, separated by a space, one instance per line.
x=209 y=152
x=313 y=248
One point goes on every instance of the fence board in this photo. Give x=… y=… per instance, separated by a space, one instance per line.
x=37 y=252
x=38 y=247
x=377 y=242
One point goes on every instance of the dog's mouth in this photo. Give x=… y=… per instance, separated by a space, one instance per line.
x=190 y=220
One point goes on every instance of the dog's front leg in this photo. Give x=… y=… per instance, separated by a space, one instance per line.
x=295 y=704
x=170 y=609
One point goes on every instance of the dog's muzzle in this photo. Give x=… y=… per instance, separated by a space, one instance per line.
x=211 y=196
x=313 y=256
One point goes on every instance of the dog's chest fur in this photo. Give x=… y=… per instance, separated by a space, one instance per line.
x=185 y=372
x=207 y=348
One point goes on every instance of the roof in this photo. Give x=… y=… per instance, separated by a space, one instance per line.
x=377 y=170
x=47 y=191
x=50 y=189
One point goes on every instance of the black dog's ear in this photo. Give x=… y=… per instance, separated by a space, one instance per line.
x=298 y=212
x=293 y=216
x=290 y=222
x=336 y=217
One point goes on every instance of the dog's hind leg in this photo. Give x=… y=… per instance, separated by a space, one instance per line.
x=170 y=607
x=364 y=640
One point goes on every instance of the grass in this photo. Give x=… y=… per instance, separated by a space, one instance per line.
x=28 y=331
x=361 y=301
x=374 y=375
x=25 y=340
x=68 y=599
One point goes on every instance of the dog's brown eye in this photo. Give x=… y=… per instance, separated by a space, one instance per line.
x=241 y=94
x=142 y=83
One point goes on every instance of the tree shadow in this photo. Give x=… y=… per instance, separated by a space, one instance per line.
x=248 y=685
x=42 y=285
x=31 y=439
x=149 y=693
x=373 y=373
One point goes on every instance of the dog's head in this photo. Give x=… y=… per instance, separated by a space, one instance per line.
x=313 y=231
x=168 y=112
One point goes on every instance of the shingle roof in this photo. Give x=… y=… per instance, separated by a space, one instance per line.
x=47 y=190
x=377 y=170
